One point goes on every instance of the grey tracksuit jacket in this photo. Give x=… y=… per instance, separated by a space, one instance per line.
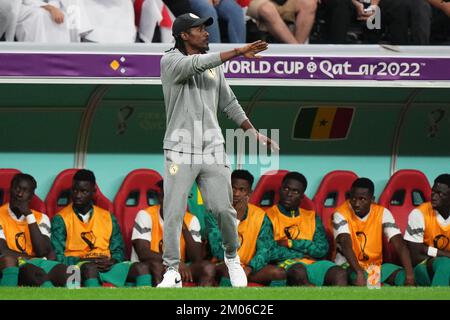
x=194 y=90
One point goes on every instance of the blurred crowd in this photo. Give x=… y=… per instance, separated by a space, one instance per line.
x=396 y=22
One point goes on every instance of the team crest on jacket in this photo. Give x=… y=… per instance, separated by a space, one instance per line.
x=173 y=169
x=89 y=238
x=211 y=73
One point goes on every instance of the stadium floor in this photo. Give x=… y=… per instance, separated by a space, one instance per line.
x=324 y=293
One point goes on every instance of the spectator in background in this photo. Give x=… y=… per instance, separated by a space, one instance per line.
x=178 y=7
x=9 y=11
x=40 y=21
x=397 y=18
x=418 y=21
x=272 y=16
x=229 y=11
x=112 y=21
x=151 y=14
x=440 y=21
x=338 y=15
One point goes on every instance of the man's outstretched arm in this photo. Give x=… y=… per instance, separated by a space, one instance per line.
x=249 y=51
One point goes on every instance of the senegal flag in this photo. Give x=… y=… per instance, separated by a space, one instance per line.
x=323 y=123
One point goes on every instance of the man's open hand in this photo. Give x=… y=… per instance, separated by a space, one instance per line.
x=251 y=50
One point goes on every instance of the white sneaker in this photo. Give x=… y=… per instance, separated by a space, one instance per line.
x=236 y=272
x=171 y=279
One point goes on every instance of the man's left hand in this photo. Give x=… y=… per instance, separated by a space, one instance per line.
x=251 y=50
x=267 y=141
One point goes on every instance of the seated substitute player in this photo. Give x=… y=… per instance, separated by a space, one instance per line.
x=25 y=240
x=255 y=236
x=358 y=226
x=89 y=237
x=428 y=236
x=301 y=230
x=148 y=245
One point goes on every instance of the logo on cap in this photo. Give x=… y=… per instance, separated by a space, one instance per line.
x=194 y=16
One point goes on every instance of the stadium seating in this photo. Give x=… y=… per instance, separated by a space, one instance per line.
x=59 y=195
x=404 y=191
x=6 y=175
x=134 y=194
x=266 y=192
x=331 y=193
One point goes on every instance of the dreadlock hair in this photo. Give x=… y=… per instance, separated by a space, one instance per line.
x=179 y=44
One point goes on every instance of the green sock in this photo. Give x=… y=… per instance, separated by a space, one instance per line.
x=400 y=278
x=47 y=284
x=441 y=268
x=10 y=277
x=277 y=283
x=144 y=280
x=73 y=285
x=92 y=283
x=225 y=282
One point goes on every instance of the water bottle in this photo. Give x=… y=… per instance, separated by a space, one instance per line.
x=374 y=276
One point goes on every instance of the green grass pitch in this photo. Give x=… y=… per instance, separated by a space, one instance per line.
x=266 y=293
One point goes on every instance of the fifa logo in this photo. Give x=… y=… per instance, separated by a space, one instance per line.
x=292 y=232
x=441 y=242
x=21 y=242
x=362 y=240
x=89 y=238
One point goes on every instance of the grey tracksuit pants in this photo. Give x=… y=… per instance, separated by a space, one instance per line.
x=214 y=182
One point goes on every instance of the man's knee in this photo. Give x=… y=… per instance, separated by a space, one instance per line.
x=7 y=262
x=442 y=263
x=336 y=276
x=204 y=273
x=278 y=273
x=89 y=271
x=140 y=268
x=59 y=275
x=208 y=269
x=296 y=275
x=31 y=276
x=155 y=267
x=221 y=209
x=306 y=6
x=267 y=10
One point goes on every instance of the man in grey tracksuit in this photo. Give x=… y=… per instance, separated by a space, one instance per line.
x=194 y=90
